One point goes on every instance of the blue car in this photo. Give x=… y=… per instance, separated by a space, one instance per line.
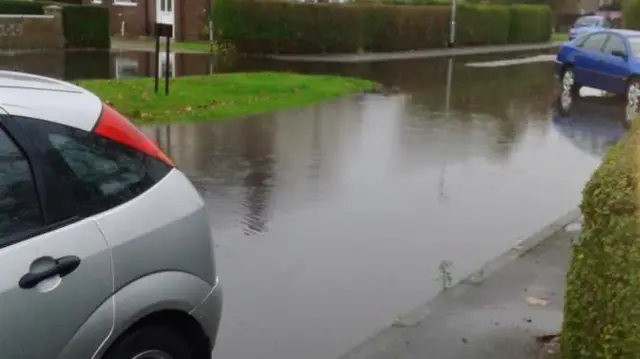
x=587 y=24
x=606 y=60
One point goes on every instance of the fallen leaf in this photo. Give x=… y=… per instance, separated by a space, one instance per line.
x=537 y=301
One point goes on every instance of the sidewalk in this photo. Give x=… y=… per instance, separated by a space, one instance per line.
x=488 y=316
x=422 y=54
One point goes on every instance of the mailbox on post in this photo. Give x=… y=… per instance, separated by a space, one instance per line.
x=166 y=31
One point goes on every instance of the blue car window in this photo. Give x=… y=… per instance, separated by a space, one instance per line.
x=615 y=43
x=594 y=42
x=634 y=44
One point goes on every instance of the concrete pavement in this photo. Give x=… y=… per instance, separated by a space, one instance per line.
x=491 y=315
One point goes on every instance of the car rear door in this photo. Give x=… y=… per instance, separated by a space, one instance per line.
x=56 y=265
x=615 y=69
x=587 y=60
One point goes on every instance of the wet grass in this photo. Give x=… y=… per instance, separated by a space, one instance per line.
x=194 y=46
x=559 y=37
x=194 y=98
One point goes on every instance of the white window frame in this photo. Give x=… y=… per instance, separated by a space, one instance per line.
x=125 y=2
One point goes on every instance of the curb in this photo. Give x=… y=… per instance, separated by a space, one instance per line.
x=386 y=338
x=424 y=54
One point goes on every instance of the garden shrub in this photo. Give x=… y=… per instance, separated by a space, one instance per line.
x=20 y=7
x=529 y=23
x=290 y=27
x=631 y=14
x=86 y=26
x=602 y=302
x=482 y=24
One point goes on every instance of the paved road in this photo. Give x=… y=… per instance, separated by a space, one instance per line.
x=498 y=317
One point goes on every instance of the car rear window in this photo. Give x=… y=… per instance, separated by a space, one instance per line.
x=100 y=174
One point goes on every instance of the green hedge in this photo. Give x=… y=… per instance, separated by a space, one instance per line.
x=530 y=23
x=482 y=24
x=631 y=14
x=288 y=27
x=602 y=302
x=20 y=7
x=86 y=26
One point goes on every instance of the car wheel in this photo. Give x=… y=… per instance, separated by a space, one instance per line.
x=569 y=83
x=152 y=342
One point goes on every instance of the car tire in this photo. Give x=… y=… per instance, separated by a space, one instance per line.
x=568 y=81
x=151 y=342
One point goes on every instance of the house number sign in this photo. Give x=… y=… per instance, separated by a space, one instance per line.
x=10 y=30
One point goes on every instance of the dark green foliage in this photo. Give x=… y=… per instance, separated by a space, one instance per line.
x=482 y=24
x=530 y=23
x=86 y=26
x=288 y=27
x=602 y=303
x=72 y=2
x=631 y=14
x=20 y=7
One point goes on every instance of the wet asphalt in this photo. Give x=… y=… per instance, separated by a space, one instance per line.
x=332 y=220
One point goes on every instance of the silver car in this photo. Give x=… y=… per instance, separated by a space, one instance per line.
x=105 y=249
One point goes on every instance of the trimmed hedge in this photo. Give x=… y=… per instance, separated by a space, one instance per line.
x=482 y=24
x=86 y=26
x=602 y=302
x=289 y=27
x=529 y=23
x=631 y=14
x=20 y=7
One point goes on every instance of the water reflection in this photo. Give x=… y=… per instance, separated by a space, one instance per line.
x=592 y=121
x=361 y=198
x=368 y=189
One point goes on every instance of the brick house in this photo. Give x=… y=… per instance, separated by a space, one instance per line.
x=135 y=18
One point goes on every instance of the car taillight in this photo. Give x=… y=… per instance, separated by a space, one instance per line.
x=115 y=127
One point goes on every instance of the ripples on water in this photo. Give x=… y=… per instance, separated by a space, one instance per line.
x=330 y=220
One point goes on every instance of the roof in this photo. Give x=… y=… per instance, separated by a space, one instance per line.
x=23 y=94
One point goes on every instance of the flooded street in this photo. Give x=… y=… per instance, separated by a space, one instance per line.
x=332 y=220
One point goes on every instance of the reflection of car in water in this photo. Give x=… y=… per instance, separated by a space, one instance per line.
x=591 y=123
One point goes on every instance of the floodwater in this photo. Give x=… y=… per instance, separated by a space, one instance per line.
x=332 y=220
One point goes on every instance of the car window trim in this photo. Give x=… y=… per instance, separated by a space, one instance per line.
x=28 y=234
x=25 y=149
x=32 y=142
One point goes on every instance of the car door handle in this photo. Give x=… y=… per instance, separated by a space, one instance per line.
x=62 y=266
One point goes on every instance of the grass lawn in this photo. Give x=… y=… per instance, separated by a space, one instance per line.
x=193 y=46
x=559 y=36
x=193 y=98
